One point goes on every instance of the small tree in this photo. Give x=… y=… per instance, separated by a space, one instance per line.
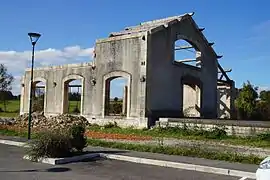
x=246 y=101
x=265 y=96
x=6 y=80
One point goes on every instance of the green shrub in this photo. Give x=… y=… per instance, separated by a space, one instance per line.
x=78 y=139
x=57 y=143
x=264 y=136
x=50 y=144
x=218 y=132
x=111 y=125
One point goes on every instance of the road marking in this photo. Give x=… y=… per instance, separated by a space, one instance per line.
x=243 y=178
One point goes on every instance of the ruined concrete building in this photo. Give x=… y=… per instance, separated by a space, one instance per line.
x=158 y=84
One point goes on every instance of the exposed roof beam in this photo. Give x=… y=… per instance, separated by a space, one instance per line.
x=223 y=72
x=201 y=29
x=219 y=57
x=40 y=87
x=226 y=70
x=183 y=47
x=224 y=82
x=186 y=60
x=74 y=85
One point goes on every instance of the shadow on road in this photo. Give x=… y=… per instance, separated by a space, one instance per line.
x=56 y=169
x=106 y=151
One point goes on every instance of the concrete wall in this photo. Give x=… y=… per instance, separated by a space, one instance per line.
x=121 y=57
x=164 y=75
x=232 y=127
x=54 y=79
x=115 y=57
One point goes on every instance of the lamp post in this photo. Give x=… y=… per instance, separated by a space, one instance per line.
x=33 y=38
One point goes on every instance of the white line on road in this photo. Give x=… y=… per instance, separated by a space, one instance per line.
x=243 y=178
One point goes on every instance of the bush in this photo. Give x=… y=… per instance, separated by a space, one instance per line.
x=50 y=144
x=78 y=140
x=263 y=136
x=57 y=143
x=218 y=132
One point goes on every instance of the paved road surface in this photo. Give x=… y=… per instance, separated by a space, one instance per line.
x=12 y=166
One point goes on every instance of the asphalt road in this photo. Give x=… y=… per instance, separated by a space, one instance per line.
x=12 y=166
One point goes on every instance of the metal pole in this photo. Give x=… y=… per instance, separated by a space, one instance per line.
x=31 y=94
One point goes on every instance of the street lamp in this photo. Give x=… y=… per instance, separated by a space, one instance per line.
x=33 y=38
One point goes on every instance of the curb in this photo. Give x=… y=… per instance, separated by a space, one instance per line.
x=57 y=161
x=13 y=143
x=177 y=165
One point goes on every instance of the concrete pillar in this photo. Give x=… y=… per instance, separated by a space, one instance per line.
x=22 y=108
x=198 y=101
x=189 y=100
x=65 y=100
x=107 y=97
x=125 y=95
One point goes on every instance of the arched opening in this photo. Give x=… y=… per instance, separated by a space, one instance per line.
x=186 y=53
x=117 y=95
x=116 y=98
x=191 y=97
x=72 y=96
x=39 y=93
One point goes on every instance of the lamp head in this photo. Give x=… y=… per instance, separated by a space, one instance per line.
x=34 y=37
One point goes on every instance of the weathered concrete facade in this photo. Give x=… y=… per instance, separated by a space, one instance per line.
x=144 y=55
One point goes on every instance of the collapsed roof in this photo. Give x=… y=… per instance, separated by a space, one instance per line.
x=149 y=25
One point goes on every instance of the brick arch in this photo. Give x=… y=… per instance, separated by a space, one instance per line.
x=107 y=78
x=67 y=79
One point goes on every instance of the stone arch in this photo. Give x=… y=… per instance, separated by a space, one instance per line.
x=191 y=96
x=65 y=81
x=37 y=80
x=107 y=78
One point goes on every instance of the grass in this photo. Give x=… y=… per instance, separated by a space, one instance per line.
x=181 y=151
x=261 y=140
x=13 y=108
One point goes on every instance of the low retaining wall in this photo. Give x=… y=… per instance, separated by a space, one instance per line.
x=138 y=123
x=233 y=127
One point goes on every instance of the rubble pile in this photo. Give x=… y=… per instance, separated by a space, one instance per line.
x=39 y=121
x=6 y=121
